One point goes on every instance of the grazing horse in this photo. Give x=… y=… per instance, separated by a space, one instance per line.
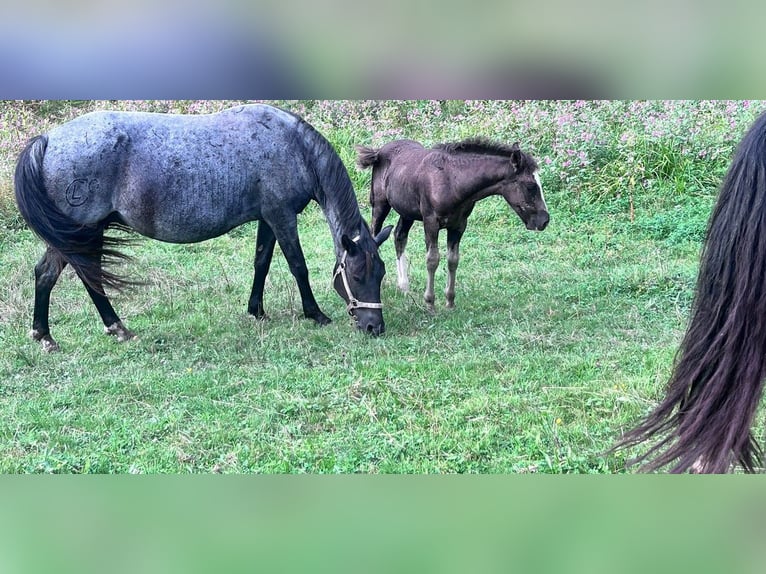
x=703 y=424
x=440 y=187
x=188 y=178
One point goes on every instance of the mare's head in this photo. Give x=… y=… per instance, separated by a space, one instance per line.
x=523 y=191
x=357 y=278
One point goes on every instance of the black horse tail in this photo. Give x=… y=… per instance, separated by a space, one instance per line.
x=704 y=422
x=84 y=247
x=367 y=157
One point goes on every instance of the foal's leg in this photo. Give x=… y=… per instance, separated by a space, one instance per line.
x=453 y=257
x=264 y=249
x=47 y=271
x=380 y=209
x=401 y=233
x=432 y=259
x=287 y=236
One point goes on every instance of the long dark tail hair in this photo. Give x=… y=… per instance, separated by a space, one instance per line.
x=84 y=247
x=706 y=416
x=367 y=157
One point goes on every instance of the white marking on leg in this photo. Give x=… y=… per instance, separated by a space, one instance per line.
x=402 y=281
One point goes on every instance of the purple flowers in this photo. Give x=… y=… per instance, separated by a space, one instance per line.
x=581 y=144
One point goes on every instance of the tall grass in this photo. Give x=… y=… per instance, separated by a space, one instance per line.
x=560 y=340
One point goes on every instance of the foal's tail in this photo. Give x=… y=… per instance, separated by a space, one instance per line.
x=84 y=247
x=703 y=423
x=367 y=157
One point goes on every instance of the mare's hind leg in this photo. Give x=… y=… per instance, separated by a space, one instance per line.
x=47 y=271
x=453 y=258
x=432 y=259
x=112 y=323
x=401 y=233
x=287 y=236
x=264 y=249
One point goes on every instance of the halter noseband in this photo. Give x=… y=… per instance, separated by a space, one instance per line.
x=353 y=302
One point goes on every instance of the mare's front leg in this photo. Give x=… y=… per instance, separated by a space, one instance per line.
x=47 y=271
x=432 y=259
x=401 y=233
x=453 y=258
x=264 y=249
x=287 y=237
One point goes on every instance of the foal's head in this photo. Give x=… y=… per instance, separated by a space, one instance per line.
x=357 y=278
x=523 y=190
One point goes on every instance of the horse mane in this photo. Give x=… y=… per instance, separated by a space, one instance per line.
x=485 y=146
x=334 y=189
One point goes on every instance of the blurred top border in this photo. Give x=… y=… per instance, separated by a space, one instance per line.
x=334 y=50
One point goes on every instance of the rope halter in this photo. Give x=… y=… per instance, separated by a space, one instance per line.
x=353 y=302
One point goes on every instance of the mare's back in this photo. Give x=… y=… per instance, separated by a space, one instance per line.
x=99 y=144
x=178 y=178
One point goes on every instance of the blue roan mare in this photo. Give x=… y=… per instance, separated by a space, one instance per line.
x=184 y=179
x=440 y=187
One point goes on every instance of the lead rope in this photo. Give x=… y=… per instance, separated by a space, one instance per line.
x=353 y=302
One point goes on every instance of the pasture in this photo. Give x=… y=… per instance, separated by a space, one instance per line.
x=560 y=340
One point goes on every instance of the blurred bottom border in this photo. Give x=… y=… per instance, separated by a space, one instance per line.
x=381 y=524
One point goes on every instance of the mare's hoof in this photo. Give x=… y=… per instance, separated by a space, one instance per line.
x=47 y=342
x=120 y=331
x=322 y=319
x=257 y=312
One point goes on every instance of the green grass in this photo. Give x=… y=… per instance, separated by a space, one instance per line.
x=560 y=341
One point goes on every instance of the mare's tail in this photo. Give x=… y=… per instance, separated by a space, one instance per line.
x=703 y=423
x=367 y=157
x=84 y=247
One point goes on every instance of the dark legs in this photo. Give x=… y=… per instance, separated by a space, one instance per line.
x=453 y=257
x=112 y=323
x=433 y=257
x=264 y=249
x=287 y=236
x=379 y=212
x=432 y=260
x=401 y=232
x=431 y=229
x=47 y=272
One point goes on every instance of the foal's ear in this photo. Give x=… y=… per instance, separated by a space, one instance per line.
x=383 y=235
x=516 y=157
x=349 y=245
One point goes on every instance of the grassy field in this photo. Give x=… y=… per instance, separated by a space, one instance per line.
x=560 y=340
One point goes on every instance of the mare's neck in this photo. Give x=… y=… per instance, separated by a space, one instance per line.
x=342 y=220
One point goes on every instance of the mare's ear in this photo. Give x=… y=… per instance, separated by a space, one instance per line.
x=349 y=245
x=383 y=235
x=516 y=157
